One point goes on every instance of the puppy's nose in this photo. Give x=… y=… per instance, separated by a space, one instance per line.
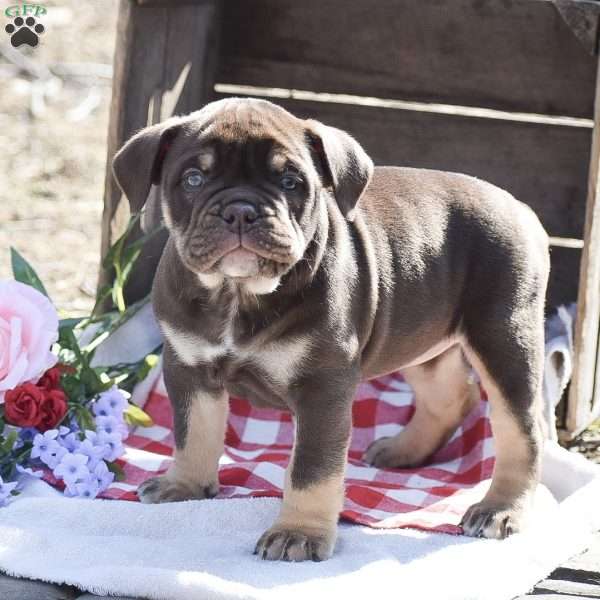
x=239 y=213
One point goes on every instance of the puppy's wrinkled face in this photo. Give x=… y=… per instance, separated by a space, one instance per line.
x=240 y=193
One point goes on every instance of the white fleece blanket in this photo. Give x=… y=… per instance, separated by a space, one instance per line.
x=203 y=549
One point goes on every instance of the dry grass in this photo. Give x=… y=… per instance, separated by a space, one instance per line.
x=53 y=164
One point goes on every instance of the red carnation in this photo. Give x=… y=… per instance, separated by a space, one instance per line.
x=22 y=405
x=50 y=379
x=52 y=410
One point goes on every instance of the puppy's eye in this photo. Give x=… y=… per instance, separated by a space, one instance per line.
x=192 y=179
x=289 y=182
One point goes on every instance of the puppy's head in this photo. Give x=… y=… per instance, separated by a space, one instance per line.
x=242 y=184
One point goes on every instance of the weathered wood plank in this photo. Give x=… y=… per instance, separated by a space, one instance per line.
x=516 y=55
x=168 y=2
x=577 y=576
x=94 y=597
x=541 y=595
x=137 y=79
x=12 y=588
x=164 y=64
x=582 y=18
x=573 y=588
x=583 y=568
x=545 y=596
x=564 y=276
x=584 y=401
x=544 y=166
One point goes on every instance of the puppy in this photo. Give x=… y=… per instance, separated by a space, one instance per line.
x=295 y=269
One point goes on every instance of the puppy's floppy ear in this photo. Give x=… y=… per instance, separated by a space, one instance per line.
x=138 y=164
x=345 y=165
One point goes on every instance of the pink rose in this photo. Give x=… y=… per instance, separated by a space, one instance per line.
x=28 y=327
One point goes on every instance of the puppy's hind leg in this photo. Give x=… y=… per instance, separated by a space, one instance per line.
x=444 y=394
x=506 y=350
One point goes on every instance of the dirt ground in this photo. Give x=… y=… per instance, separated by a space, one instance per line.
x=54 y=106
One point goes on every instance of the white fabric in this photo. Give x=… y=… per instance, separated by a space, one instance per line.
x=558 y=363
x=203 y=549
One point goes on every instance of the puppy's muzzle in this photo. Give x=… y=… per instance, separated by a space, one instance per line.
x=239 y=216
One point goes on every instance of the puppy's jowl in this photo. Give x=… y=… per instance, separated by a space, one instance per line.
x=294 y=269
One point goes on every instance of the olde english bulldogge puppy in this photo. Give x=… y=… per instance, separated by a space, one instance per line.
x=294 y=269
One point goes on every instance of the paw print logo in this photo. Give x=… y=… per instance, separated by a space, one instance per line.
x=24 y=31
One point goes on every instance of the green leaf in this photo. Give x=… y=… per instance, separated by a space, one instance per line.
x=9 y=441
x=134 y=415
x=84 y=418
x=70 y=323
x=101 y=296
x=116 y=468
x=96 y=342
x=146 y=366
x=90 y=378
x=24 y=272
x=67 y=340
x=121 y=258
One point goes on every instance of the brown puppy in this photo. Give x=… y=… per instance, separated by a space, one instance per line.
x=277 y=284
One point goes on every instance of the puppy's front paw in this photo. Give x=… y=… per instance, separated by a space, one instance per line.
x=163 y=489
x=295 y=545
x=492 y=521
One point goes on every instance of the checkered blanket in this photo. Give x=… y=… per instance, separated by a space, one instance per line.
x=258 y=447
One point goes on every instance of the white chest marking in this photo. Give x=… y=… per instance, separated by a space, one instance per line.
x=192 y=349
x=281 y=361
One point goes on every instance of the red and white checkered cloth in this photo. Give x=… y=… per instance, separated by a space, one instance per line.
x=259 y=443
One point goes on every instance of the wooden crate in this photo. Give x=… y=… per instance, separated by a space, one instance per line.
x=502 y=89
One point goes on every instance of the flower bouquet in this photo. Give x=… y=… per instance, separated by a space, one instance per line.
x=62 y=417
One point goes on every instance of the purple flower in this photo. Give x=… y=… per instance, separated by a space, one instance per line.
x=94 y=438
x=104 y=476
x=70 y=441
x=110 y=403
x=5 y=491
x=88 y=488
x=113 y=446
x=47 y=449
x=28 y=433
x=111 y=424
x=72 y=469
x=93 y=452
x=70 y=492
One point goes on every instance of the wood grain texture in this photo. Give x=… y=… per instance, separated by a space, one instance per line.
x=516 y=55
x=164 y=64
x=564 y=277
x=94 y=597
x=543 y=166
x=12 y=588
x=572 y=588
x=583 y=18
x=584 y=400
